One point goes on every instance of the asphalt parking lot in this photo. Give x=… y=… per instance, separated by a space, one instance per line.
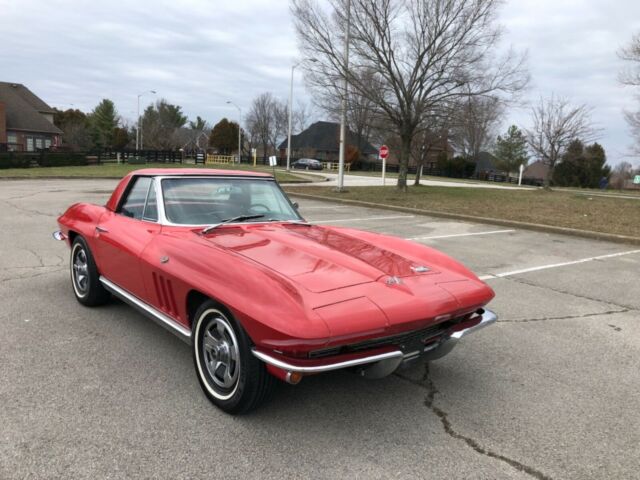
x=551 y=391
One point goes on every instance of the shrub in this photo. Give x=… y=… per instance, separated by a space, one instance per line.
x=61 y=159
x=14 y=160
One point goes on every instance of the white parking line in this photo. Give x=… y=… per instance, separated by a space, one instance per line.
x=325 y=207
x=557 y=265
x=461 y=235
x=362 y=219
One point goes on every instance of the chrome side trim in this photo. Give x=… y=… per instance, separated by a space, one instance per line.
x=160 y=318
x=488 y=317
x=325 y=368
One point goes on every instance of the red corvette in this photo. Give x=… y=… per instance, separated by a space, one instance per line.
x=224 y=260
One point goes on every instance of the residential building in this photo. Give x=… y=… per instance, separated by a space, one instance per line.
x=322 y=142
x=536 y=172
x=439 y=146
x=26 y=121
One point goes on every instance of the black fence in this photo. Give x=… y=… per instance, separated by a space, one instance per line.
x=49 y=158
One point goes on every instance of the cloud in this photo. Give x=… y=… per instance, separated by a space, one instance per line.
x=201 y=53
x=572 y=47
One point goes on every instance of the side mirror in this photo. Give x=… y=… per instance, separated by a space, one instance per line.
x=295 y=205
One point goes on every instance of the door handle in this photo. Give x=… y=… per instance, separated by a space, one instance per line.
x=100 y=229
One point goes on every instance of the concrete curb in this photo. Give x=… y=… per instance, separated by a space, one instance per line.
x=609 y=237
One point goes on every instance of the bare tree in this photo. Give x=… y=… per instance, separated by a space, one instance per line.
x=280 y=113
x=423 y=54
x=631 y=53
x=428 y=140
x=631 y=76
x=267 y=122
x=361 y=117
x=556 y=123
x=633 y=119
x=621 y=173
x=302 y=115
x=474 y=124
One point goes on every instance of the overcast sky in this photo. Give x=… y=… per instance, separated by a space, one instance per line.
x=199 y=54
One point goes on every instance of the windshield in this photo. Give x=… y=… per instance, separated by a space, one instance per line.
x=210 y=200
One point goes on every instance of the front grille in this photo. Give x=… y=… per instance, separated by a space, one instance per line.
x=407 y=341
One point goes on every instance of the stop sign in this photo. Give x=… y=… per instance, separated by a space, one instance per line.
x=384 y=152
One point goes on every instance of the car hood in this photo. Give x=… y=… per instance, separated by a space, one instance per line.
x=318 y=258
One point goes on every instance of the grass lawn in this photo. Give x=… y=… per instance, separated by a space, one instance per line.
x=119 y=170
x=557 y=208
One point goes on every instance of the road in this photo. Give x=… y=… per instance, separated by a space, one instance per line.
x=550 y=391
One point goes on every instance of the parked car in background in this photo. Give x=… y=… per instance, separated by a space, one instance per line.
x=307 y=164
x=224 y=260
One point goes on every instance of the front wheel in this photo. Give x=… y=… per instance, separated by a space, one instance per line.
x=230 y=376
x=85 y=278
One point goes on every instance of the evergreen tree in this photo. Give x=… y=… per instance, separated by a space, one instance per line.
x=199 y=124
x=160 y=124
x=224 y=136
x=511 y=150
x=582 y=166
x=103 y=121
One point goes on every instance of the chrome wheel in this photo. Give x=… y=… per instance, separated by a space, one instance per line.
x=80 y=270
x=220 y=351
x=231 y=377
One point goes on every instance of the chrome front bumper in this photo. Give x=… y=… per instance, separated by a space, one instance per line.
x=382 y=364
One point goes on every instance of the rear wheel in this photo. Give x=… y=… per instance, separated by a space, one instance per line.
x=85 y=278
x=230 y=376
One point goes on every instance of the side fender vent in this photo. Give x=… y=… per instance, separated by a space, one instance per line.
x=165 y=295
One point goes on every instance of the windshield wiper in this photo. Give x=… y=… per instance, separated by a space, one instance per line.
x=239 y=218
x=291 y=222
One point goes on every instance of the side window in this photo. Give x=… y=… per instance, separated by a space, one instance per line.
x=151 y=207
x=133 y=205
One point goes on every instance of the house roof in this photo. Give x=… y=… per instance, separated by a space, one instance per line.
x=485 y=162
x=325 y=137
x=24 y=110
x=537 y=170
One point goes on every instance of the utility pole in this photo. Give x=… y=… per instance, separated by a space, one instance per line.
x=343 y=115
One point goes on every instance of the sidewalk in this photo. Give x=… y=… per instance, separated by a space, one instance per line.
x=351 y=180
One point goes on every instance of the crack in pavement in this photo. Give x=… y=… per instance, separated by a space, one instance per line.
x=566 y=317
x=566 y=292
x=7 y=269
x=26 y=210
x=26 y=277
x=429 y=402
x=35 y=254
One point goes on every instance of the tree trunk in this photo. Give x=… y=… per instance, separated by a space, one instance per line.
x=546 y=184
x=405 y=155
x=423 y=154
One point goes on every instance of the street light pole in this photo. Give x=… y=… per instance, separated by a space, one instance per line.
x=239 y=120
x=138 y=133
x=343 y=115
x=293 y=67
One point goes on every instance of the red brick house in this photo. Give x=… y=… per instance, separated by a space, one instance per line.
x=439 y=145
x=26 y=121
